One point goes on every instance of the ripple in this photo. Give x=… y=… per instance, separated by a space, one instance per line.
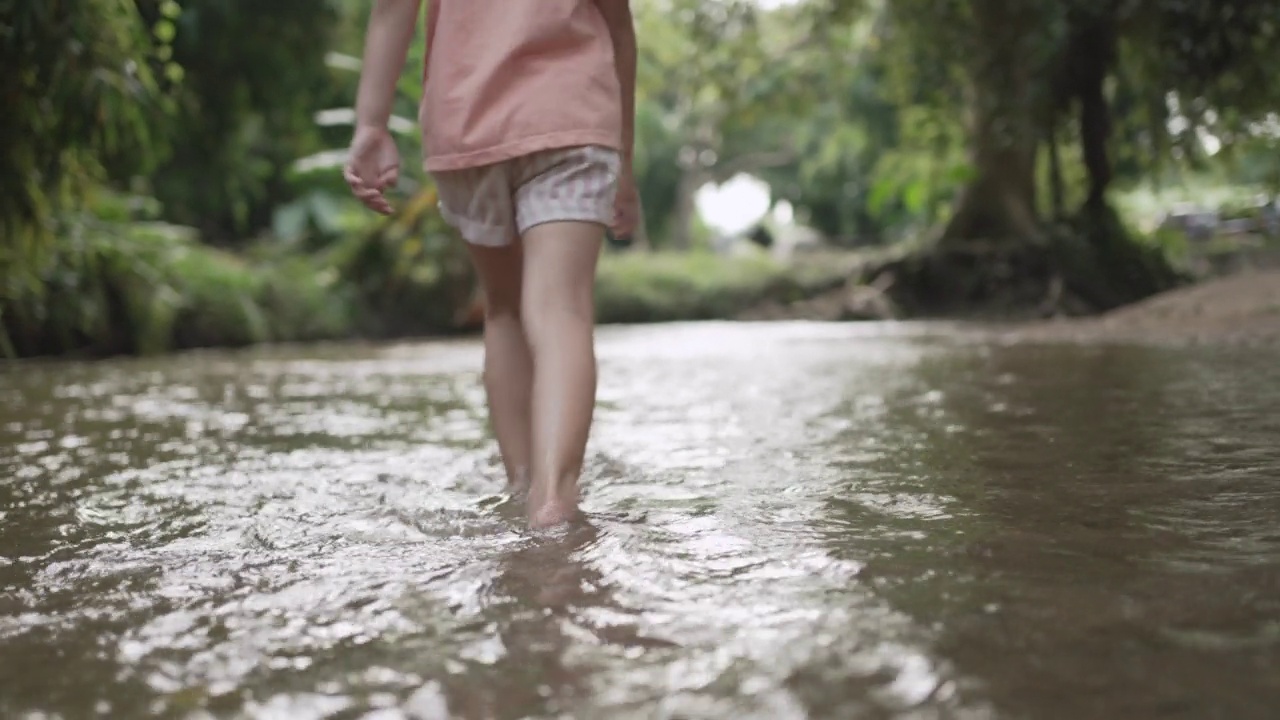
x=785 y=521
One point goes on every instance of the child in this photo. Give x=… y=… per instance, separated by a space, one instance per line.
x=527 y=117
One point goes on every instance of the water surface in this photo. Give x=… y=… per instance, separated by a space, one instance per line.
x=786 y=521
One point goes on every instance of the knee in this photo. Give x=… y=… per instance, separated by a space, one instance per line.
x=558 y=309
x=502 y=306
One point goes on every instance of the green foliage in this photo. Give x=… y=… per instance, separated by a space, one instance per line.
x=78 y=88
x=411 y=275
x=254 y=74
x=80 y=93
x=723 y=86
x=1193 y=79
x=135 y=131
x=657 y=165
x=321 y=210
x=655 y=287
x=681 y=286
x=1183 y=68
x=134 y=287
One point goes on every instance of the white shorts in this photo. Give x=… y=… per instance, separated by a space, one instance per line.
x=493 y=204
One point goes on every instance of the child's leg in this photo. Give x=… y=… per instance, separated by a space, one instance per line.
x=559 y=319
x=508 y=369
x=478 y=202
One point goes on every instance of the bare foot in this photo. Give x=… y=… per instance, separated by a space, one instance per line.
x=551 y=512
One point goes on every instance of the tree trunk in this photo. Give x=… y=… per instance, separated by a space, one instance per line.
x=999 y=203
x=1057 y=194
x=994 y=253
x=1097 y=42
x=1124 y=271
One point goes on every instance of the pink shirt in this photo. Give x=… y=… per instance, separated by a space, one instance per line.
x=506 y=78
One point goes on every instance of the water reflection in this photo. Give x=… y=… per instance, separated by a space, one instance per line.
x=1091 y=551
x=786 y=521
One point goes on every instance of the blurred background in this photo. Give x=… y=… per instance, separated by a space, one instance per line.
x=171 y=168
x=786 y=520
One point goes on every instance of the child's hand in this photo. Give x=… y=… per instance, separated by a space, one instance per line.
x=626 y=208
x=373 y=165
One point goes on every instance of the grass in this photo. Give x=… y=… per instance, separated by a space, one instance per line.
x=635 y=287
x=114 y=288
x=148 y=288
x=666 y=286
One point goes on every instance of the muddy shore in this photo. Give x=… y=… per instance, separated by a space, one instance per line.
x=1243 y=308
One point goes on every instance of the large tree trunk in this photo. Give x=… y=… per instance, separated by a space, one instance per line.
x=989 y=257
x=995 y=255
x=999 y=202
x=1110 y=268
x=1096 y=52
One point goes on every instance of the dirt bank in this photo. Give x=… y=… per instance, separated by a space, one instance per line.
x=1243 y=307
x=1239 y=308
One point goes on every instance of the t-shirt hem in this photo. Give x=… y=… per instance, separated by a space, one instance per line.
x=519 y=148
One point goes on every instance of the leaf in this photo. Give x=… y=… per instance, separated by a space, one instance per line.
x=915 y=195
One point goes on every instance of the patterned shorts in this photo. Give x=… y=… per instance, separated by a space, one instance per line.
x=493 y=204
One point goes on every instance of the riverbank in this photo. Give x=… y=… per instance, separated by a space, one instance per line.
x=1236 y=298
x=1241 y=308
x=672 y=287
x=148 y=289
x=157 y=290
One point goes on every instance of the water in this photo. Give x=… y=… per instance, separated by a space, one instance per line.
x=787 y=521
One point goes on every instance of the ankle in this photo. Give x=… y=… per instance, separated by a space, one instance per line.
x=546 y=492
x=518 y=479
x=556 y=483
x=552 y=511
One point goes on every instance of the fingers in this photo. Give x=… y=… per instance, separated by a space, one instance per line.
x=372 y=166
x=371 y=197
x=626 y=212
x=624 y=222
x=389 y=177
x=628 y=199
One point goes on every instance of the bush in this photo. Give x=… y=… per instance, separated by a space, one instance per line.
x=410 y=275
x=143 y=288
x=635 y=288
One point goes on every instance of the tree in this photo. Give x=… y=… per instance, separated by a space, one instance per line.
x=723 y=75
x=865 y=167
x=1023 y=69
x=81 y=93
x=255 y=75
